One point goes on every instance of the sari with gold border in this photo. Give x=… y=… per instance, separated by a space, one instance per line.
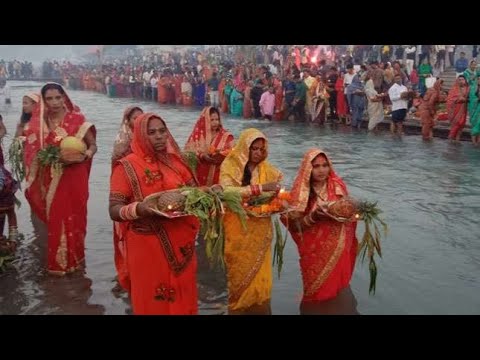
x=328 y=248
x=247 y=251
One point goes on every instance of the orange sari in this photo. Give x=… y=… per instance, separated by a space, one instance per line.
x=162 y=90
x=202 y=141
x=121 y=148
x=161 y=258
x=457 y=101
x=247 y=103
x=328 y=248
x=50 y=192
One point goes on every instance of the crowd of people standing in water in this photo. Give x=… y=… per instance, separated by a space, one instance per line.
x=309 y=83
x=155 y=256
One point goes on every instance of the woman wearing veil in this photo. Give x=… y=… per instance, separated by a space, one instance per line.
x=59 y=196
x=121 y=148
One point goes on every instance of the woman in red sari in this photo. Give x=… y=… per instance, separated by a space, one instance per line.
x=327 y=248
x=59 y=196
x=121 y=148
x=211 y=143
x=457 y=108
x=342 y=110
x=277 y=85
x=161 y=258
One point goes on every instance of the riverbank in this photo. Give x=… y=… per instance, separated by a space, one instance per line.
x=414 y=127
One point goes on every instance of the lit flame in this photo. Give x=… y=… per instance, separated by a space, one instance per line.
x=169 y=207
x=282 y=190
x=357 y=216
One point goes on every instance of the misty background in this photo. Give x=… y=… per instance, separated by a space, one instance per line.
x=73 y=53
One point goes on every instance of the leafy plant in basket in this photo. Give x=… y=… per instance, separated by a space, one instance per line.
x=348 y=209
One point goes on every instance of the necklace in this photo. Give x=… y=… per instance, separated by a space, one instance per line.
x=53 y=124
x=321 y=191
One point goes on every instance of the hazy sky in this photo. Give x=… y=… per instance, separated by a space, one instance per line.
x=38 y=53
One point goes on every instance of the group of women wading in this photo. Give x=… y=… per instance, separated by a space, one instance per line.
x=155 y=256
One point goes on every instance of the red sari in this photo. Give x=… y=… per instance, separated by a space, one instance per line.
x=278 y=115
x=341 y=103
x=328 y=248
x=161 y=252
x=202 y=141
x=457 y=109
x=50 y=193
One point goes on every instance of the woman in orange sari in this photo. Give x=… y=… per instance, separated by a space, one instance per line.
x=161 y=258
x=211 y=143
x=457 y=108
x=121 y=148
x=59 y=196
x=427 y=110
x=248 y=255
x=327 y=248
x=247 y=101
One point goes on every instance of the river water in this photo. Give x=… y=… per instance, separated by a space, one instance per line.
x=430 y=194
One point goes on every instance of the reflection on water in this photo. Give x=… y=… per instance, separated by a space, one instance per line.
x=344 y=304
x=429 y=192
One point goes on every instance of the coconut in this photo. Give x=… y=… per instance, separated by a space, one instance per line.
x=344 y=208
x=73 y=143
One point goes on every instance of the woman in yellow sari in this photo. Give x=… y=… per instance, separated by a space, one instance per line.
x=248 y=251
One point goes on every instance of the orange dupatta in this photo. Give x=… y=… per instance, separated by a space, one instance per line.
x=121 y=148
x=161 y=257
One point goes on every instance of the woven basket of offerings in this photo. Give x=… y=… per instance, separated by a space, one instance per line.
x=343 y=210
x=170 y=203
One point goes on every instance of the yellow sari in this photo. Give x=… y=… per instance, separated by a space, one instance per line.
x=247 y=251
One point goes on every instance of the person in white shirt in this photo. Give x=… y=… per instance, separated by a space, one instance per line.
x=347 y=79
x=146 y=84
x=440 y=50
x=451 y=54
x=410 y=52
x=399 y=105
x=154 y=86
